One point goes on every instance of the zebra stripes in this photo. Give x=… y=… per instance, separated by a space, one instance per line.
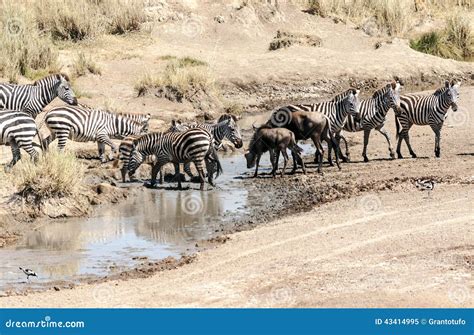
x=226 y=127
x=18 y=130
x=372 y=115
x=425 y=110
x=83 y=124
x=192 y=145
x=32 y=98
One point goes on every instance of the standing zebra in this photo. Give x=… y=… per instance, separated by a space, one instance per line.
x=425 y=110
x=336 y=111
x=18 y=130
x=32 y=98
x=372 y=113
x=192 y=145
x=83 y=124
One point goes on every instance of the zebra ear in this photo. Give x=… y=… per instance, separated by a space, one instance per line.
x=446 y=84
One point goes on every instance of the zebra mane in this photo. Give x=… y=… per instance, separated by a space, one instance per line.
x=51 y=78
x=343 y=95
x=380 y=92
x=440 y=91
x=228 y=116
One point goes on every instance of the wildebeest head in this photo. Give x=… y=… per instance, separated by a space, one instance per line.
x=251 y=158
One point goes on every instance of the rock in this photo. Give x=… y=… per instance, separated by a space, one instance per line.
x=219 y=19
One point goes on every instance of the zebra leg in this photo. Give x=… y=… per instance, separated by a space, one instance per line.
x=101 y=149
x=210 y=168
x=366 y=143
x=31 y=151
x=187 y=170
x=338 y=136
x=16 y=156
x=103 y=140
x=407 y=141
x=330 y=153
x=154 y=172
x=437 y=131
x=200 y=169
x=62 y=140
x=177 y=173
x=47 y=141
x=384 y=132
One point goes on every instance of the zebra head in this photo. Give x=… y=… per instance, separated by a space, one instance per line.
x=389 y=96
x=232 y=129
x=64 y=90
x=136 y=159
x=350 y=102
x=451 y=94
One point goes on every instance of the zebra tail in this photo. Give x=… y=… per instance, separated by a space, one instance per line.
x=398 y=126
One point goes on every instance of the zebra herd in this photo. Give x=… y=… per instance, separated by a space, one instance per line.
x=197 y=143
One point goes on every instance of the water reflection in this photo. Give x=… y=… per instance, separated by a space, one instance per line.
x=155 y=224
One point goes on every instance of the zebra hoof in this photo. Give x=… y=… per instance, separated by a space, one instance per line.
x=366 y=160
x=345 y=159
x=7 y=169
x=392 y=155
x=413 y=155
x=399 y=156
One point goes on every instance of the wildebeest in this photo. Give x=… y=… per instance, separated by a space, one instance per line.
x=306 y=125
x=275 y=140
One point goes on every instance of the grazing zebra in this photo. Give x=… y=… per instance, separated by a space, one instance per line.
x=336 y=111
x=226 y=127
x=83 y=124
x=126 y=146
x=425 y=110
x=192 y=145
x=32 y=98
x=18 y=130
x=372 y=113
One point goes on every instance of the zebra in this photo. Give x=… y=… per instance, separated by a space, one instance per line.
x=372 y=113
x=126 y=146
x=32 y=98
x=83 y=124
x=226 y=127
x=191 y=145
x=18 y=130
x=336 y=110
x=425 y=110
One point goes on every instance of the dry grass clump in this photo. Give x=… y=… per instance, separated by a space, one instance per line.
x=124 y=16
x=181 y=80
x=84 y=65
x=284 y=39
x=455 y=41
x=24 y=50
x=55 y=175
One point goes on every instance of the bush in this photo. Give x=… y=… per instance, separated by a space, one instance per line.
x=24 y=50
x=55 y=175
x=84 y=65
x=181 y=80
x=125 y=16
x=454 y=41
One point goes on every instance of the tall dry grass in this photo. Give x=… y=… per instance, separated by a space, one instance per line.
x=393 y=17
x=181 y=79
x=23 y=49
x=455 y=40
x=55 y=175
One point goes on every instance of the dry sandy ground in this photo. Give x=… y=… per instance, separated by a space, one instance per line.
x=378 y=250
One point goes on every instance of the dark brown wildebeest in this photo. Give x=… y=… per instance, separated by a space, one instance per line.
x=306 y=125
x=275 y=140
